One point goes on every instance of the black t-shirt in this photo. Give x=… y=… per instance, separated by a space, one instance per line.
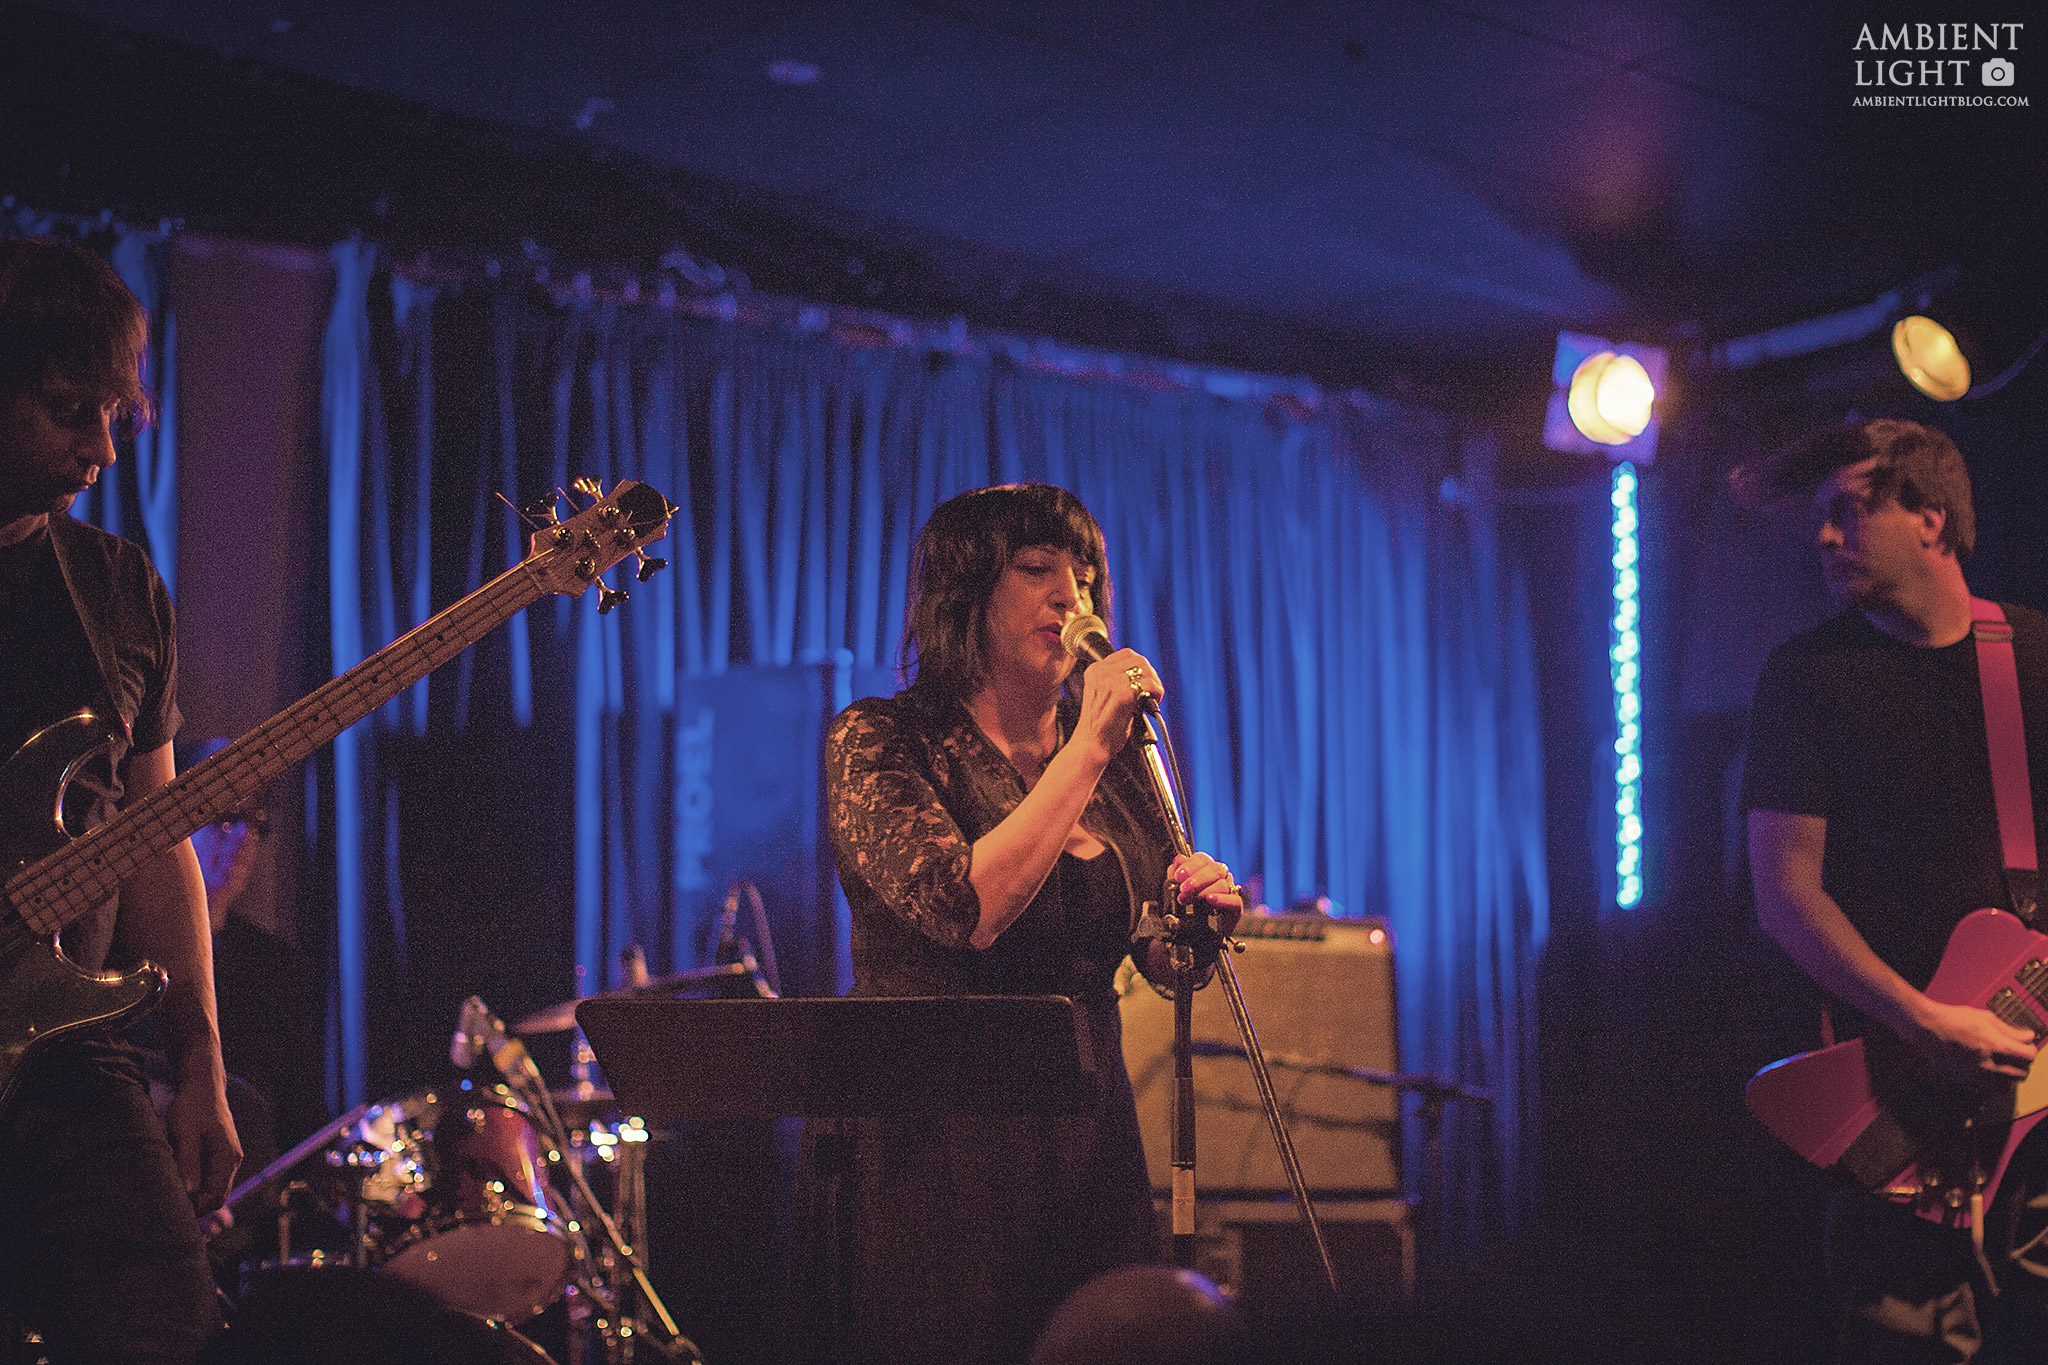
x=47 y=669
x=86 y=622
x=1885 y=741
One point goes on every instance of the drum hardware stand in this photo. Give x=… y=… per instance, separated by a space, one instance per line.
x=284 y=1220
x=359 y=1233
x=1190 y=933
x=614 y=1303
x=513 y=1061
x=597 y=1301
x=359 y=1230
x=327 y=1133
x=615 y=1313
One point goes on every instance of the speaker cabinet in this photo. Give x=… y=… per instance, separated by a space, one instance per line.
x=750 y=803
x=1318 y=991
x=1259 y=1253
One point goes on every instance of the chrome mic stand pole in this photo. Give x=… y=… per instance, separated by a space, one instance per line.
x=516 y=1065
x=1182 y=948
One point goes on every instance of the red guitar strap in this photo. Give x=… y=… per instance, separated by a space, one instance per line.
x=2000 y=679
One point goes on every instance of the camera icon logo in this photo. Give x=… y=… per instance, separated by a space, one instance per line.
x=1998 y=71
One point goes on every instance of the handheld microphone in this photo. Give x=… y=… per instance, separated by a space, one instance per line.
x=1087 y=639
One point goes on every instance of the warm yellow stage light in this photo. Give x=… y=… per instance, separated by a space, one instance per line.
x=1929 y=357
x=1609 y=398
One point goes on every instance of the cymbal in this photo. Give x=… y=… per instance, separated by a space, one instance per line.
x=581 y=1105
x=562 y=1017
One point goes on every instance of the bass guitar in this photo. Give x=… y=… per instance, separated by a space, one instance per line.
x=1866 y=1110
x=51 y=877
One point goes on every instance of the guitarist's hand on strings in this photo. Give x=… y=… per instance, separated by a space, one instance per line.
x=1969 y=1046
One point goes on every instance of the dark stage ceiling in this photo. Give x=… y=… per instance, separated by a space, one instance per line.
x=1314 y=187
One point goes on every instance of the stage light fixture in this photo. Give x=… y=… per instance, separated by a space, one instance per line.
x=1603 y=398
x=1930 y=358
x=1603 y=402
x=1967 y=337
x=1609 y=398
x=1953 y=335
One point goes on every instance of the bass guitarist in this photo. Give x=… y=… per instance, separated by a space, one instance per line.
x=99 y=1248
x=1872 y=832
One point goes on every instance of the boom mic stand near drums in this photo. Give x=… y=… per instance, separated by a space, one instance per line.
x=485 y=1035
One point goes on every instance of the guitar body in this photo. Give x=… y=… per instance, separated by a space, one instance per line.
x=1864 y=1109
x=43 y=995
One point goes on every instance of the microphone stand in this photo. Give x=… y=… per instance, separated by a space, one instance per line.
x=1188 y=933
x=516 y=1065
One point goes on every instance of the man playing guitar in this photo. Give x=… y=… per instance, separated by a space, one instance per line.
x=99 y=1249
x=1872 y=833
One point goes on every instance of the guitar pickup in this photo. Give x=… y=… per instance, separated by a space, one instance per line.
x=2006 y=1005
x=2033 y=979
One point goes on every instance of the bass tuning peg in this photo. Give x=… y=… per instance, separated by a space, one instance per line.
x=650 y=565
x=588 y=487
x=607 y=598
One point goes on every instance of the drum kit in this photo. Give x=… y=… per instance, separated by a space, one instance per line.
x=485 y=1194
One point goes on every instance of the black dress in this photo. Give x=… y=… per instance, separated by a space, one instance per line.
x=961 y=1236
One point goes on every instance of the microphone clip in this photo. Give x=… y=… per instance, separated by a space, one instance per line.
x=1186 y=927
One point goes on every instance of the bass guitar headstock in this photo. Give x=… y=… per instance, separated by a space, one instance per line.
x=568 y=556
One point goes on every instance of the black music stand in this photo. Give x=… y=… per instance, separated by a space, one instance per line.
x=868 y=1058
x=842 y=1059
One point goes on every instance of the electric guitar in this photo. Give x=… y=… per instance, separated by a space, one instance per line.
x=51 y=877
x=1866 y=1110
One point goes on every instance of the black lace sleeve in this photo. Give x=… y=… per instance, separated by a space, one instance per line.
x=898 y=848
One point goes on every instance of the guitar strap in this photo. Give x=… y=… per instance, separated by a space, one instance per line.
x=2000 y=679
x=2006 y=739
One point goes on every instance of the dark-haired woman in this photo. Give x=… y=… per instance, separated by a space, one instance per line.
x=995 y=834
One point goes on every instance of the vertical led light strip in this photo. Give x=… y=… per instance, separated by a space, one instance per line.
x=1625 y=654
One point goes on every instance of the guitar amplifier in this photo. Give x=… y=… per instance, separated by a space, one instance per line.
x=1258 y=1252
x=1318 y=990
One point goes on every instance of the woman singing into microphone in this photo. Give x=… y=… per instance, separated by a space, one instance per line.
x=996 y=835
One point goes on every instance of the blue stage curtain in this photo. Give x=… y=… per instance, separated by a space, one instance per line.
x=1347 y=655
x=138 y=496
x=345 y=361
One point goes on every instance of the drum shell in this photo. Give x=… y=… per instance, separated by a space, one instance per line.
x=467 y=1214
